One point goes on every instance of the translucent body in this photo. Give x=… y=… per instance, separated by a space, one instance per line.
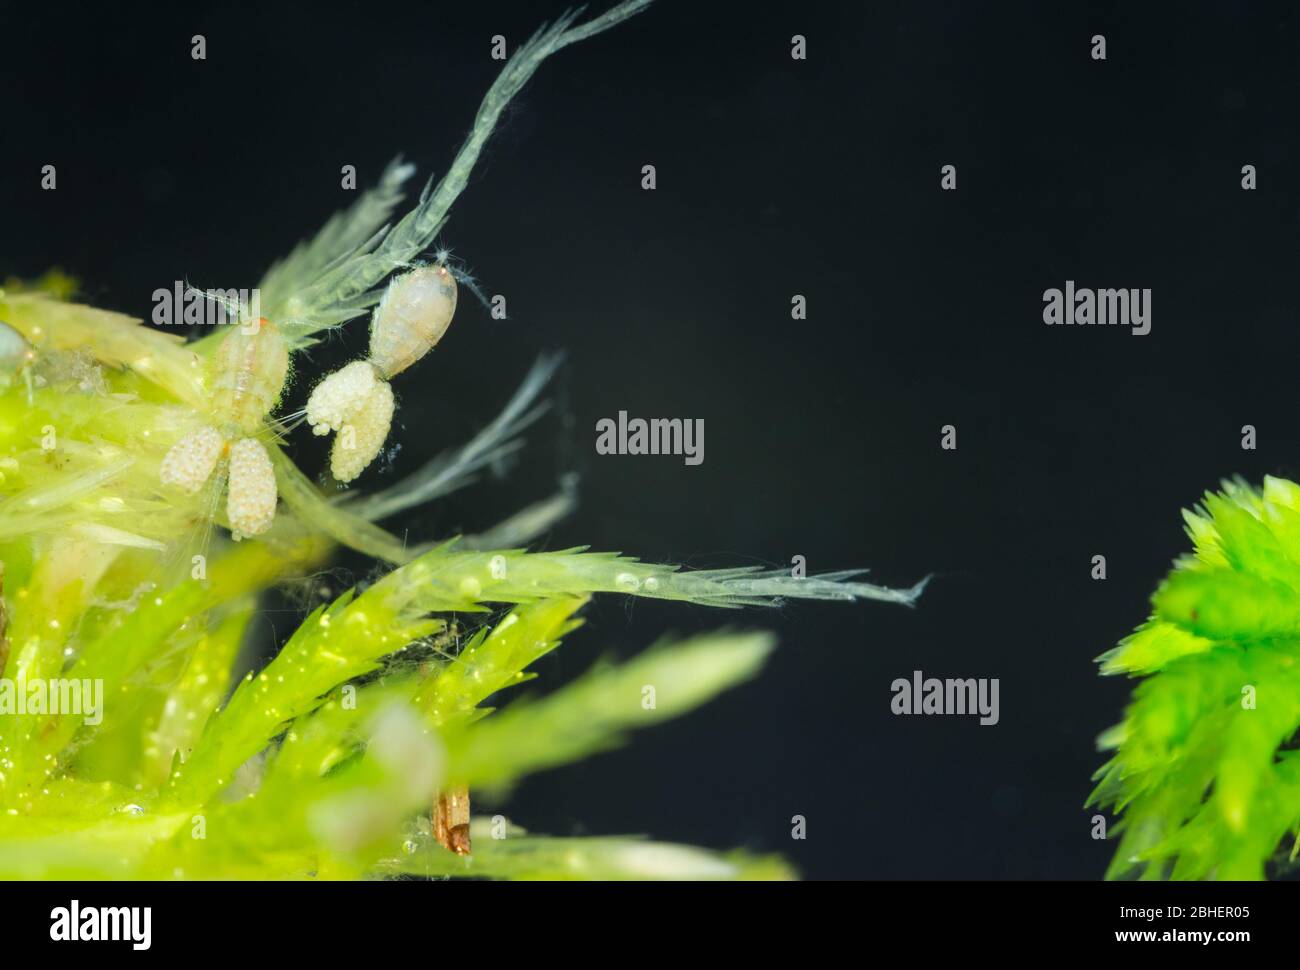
x=247 y=374
x=414 y=314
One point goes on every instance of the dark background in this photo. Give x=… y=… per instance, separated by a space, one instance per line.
x=776 y=177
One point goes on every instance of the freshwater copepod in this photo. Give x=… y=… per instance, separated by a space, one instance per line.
x=331 y=279
x=246 y=375
x=356 y=401
x=412 y=317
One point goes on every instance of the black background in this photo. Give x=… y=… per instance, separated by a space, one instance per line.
x=775 y=177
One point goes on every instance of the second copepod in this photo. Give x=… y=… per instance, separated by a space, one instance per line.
x=356 y=401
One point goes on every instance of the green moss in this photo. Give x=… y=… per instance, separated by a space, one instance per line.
x=1202 y=772
x=325 y=762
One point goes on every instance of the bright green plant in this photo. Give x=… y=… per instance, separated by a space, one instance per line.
x=326 y=761
x=1204 y=768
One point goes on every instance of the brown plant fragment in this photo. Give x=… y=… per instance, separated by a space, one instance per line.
x=451 y=820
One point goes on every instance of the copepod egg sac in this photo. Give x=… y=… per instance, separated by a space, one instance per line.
x=251 y=493
x=189 y=462
x=340 y=396
x=359 y=440
x=412 y=317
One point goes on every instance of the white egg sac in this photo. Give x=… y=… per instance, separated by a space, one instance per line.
x=359 y=440
x=250 y=493
x=189 y=462
x=339 y=396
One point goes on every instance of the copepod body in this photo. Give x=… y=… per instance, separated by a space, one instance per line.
x=246 y=375
x=411 y=319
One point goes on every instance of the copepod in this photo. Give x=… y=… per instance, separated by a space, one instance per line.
x=356 y=401
x=246 y=375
